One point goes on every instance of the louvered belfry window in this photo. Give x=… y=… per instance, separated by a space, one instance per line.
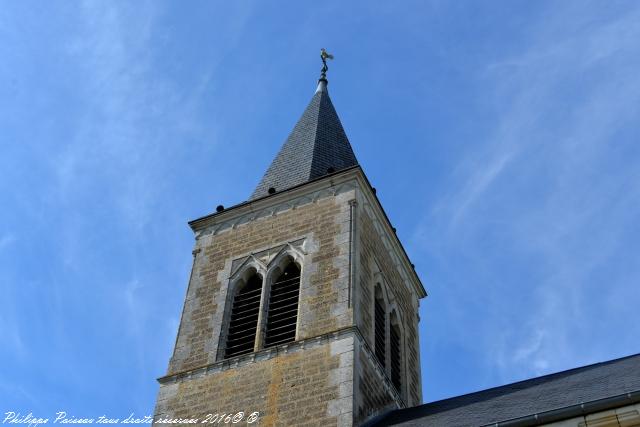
x=379 y=326
x=283 y=307
x=244 y=318
x=394 y=344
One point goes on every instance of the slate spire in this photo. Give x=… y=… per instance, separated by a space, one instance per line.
x=316 y=146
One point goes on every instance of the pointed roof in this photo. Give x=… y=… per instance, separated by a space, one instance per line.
x=316 y=146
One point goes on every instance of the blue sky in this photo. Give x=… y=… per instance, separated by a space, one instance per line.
x=503 y=139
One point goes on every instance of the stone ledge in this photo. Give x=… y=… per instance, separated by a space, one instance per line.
x=261 y=355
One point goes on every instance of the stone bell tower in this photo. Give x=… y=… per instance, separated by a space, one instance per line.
x=302 y=305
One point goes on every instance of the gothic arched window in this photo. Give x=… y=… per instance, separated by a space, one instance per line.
x=394 y=350
x=282 y=315
x=380 y=320
x=243 y=323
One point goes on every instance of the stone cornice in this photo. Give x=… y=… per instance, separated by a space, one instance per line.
x=329 y=185
x=273 y=204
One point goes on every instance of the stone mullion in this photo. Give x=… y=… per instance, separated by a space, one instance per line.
x=262 y=314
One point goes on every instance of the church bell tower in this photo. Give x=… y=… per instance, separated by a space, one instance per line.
x=302 y=305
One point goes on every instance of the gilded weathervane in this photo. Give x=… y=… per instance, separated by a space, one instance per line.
x=324 y=55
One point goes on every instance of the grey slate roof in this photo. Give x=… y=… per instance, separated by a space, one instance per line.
x=534 y=396
x=318 y=142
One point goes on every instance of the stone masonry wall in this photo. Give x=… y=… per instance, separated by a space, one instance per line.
x=323 y=288
x=312 y=385
x=309 y=387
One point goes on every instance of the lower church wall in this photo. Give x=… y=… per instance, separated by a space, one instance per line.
x=626 y=416
x=312 y=385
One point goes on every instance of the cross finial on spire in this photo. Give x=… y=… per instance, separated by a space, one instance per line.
x=324 y=55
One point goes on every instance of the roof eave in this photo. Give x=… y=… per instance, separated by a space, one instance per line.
x=199 y=223
x=343 y=174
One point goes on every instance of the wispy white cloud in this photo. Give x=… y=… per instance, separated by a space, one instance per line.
x=136 y=310
x=10 y=335
x=100 y=178
x=550 y=187
x=124 y=97
x=588 y=192
x=6 y=240
x=478 y=184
